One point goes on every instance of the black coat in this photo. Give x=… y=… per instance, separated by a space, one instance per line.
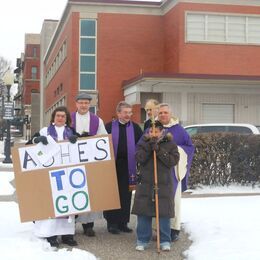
x=167 y=156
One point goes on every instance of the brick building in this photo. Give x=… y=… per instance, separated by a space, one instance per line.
x=202 y=57
x=31 y=80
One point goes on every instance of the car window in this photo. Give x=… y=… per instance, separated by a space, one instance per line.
x=210 y=129
x=192 y=130
x=239 y=129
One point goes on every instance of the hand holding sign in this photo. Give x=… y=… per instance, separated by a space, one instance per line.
x=44 y=152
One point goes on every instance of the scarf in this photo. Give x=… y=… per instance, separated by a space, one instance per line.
x=93 y=124
x=53 y=133
x=130 y=150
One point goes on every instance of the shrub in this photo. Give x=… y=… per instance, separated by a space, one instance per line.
x=224 y=158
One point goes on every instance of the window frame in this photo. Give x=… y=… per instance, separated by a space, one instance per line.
x=88 y=55
x=249 y=28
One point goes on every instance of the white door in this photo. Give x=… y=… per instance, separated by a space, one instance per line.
x=217 y=113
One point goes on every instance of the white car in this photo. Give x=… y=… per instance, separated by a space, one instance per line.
x=221 y=127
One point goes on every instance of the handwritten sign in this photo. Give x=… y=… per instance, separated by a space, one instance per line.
x=84 y=151
x=69 y=190
x=76 y=178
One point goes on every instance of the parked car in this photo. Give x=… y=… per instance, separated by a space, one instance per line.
x=221 y=127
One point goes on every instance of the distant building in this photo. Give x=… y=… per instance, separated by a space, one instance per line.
x=31 y=80
x=202 y=57
x=47 y=31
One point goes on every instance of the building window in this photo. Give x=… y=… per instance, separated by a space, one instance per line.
x=34 y=73
x=221 y=28
x=34 y=52
x=87 y=54
x=92 y=110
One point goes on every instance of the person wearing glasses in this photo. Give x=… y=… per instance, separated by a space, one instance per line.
x=59 y=129
x=125 y=135
x=86 y=124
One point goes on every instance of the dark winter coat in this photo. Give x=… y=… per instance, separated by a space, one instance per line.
x=167 y=156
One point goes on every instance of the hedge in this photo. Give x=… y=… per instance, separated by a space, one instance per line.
x=225 y=158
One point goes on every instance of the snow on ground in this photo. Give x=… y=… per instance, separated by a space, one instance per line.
x=5 y=187
x=222 y=228
x=6 y=165
x=233 y=188
x=16 y=240
x=1 y=149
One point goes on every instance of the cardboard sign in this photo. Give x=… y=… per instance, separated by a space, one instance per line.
x=76 y=178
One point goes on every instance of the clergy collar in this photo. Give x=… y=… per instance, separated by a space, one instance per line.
x=83 y=114
x=123 y=123
x=173 y=121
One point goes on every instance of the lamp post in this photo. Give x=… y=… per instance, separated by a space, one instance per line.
x=8 y=80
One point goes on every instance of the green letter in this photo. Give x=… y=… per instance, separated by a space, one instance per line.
x=65 y=208
x=86 y=196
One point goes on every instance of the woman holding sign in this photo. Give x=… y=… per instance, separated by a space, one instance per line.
x=59 y=129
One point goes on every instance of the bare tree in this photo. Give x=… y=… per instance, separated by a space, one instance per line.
x=4 y=65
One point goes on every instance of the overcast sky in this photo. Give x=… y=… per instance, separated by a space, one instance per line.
x=18 y=17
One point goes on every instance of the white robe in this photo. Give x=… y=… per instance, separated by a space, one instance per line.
x=82 y=125
x=56 y=226
x=180 y=171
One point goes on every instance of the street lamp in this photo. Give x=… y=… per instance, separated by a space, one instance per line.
x=8 y=80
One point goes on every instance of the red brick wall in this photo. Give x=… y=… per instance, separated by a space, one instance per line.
x=30 y=84
x=67 y=74
x=172 y=31
x=126 y=45
x=215 y=58
x=136 y=113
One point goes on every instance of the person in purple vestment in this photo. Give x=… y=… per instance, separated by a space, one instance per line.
x=125 y=135
x=180 y=173
x=87 y=124
x=59 y=129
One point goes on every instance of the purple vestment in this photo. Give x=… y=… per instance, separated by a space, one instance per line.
x=182 y=139
x=93 y=124
x=130 y=135
x=53 y=133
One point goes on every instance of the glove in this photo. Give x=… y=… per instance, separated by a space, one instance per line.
x=154 y=145
x=84 y=134
x=73 y=139
x=41 y=139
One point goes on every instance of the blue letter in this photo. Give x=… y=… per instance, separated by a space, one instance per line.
x=84 y=178
x=57 y=175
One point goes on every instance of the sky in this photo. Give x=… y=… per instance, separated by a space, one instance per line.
x=221 y=228
x=19 y=17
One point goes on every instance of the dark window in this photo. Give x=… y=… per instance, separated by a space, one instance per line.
x=34 y=73
x=34 y=54
x=210 y=129
x=239 y=129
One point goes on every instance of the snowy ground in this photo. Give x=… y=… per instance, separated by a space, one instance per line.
x=225 y=228
x=233 y=188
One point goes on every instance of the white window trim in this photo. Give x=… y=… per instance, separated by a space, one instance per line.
x=226 y=15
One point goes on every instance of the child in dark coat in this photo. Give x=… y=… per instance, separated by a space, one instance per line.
x=144 y=203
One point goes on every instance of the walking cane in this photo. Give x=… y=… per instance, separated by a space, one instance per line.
x=156 y=190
